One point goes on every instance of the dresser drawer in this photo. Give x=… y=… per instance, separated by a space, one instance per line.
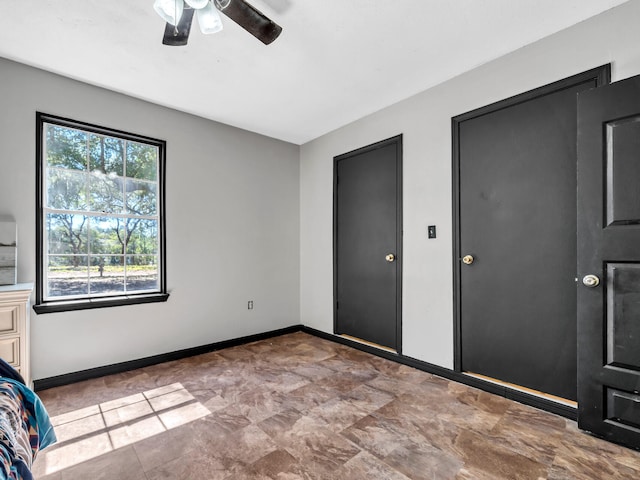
x=9 y=319
x=10 y=350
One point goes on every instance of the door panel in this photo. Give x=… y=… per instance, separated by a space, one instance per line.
x=516 y=303
x=623 y=195
x=367 y=209
x=623 y=314
x=608 y=247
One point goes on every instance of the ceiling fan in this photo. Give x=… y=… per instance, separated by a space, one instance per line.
x=179 y=16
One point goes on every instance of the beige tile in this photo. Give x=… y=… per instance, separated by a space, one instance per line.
x=365 y=466
x=134 y=432
x=367 y=398
x=320 y=447
x=183 y=414
x=73 y=452
x=273 y=463
x=74 y=415
x=337 y=414
x=194 y=465
x=53 y=476
x=300 y=407
x=127 y=413
x=424 y=462
x=280 y=423
x=378 y=436
x=230 y=418
x=122 y=402
x=482 y=453
x=170 y=400
x=120 y=464
x=164 y=390
x=81 y=427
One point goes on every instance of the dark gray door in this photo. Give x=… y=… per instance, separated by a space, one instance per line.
x=609 y=262
x=367 y=243
x=516 y=296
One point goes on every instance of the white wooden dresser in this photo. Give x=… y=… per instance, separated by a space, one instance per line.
x=14 y=327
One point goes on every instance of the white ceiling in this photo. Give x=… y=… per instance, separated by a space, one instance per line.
x=335 y=62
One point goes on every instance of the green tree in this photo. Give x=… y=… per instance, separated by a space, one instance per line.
x=66 y=153
x=67 y=235
x=87 y=172
x=66 y=148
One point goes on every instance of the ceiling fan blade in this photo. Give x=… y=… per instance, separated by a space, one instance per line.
x=252 y=20
x=179 y=38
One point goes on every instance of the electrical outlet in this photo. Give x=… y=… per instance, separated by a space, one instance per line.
x=250 y=305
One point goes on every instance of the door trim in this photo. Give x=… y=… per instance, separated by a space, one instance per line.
x=397 y=141
x=601 y=75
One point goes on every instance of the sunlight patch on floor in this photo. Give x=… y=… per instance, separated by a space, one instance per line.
x=89 y=432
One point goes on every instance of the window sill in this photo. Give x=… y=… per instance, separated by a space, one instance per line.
x=85 y=304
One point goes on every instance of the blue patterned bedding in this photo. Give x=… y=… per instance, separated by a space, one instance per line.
x=25 y=428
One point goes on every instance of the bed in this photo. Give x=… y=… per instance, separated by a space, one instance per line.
x=25 y=428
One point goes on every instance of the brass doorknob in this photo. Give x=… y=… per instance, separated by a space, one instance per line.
x=468 y=259
x=390 y=257
x=591 y=281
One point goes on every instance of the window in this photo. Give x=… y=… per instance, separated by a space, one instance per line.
x=100 y=232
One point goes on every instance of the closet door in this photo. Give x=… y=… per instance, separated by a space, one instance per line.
x=368 y=242
x=515 y=166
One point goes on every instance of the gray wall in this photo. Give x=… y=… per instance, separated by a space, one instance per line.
x=232 y=209
x=250 y=217
x=425 y=121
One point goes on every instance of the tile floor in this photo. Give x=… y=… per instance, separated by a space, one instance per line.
x=300 y=407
